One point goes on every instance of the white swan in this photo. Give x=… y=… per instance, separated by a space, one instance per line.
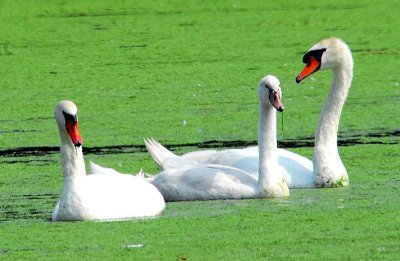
x=335 y=55
x=97 y=169
x=208 y=181
x=102 y=196
x=297 y=170
x=328 y=169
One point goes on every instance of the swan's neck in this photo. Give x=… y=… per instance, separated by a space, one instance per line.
x=328 y=125
x=73 y=165
x=267 y=145
x=327 y=165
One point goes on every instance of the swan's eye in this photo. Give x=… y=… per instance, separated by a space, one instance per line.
x=70 y=117
x=317 y=54
x=270 y=89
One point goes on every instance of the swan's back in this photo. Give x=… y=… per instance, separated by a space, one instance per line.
x=244 y=159
x=298 y=170
x=205 y=182
x=125 y=196
x=110 y=197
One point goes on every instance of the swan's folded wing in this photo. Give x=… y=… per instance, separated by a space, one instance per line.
x=97 y=169
x=200 y=157
x=175 y=163
x=205 y=182
x=298 y=170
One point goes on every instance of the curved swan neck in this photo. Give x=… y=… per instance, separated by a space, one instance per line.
x=267 y=143
x=328 y=125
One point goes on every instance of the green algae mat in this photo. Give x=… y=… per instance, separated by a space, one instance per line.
x=186 y=73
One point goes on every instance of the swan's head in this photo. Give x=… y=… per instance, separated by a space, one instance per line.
x=269 y=92
x=329 y=53
x=66 y=115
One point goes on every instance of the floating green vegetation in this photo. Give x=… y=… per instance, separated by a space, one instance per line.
x=185 y=73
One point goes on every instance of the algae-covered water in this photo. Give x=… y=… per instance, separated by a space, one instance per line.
x=185 y=73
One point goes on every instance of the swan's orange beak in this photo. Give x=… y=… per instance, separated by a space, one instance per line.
x=311 y=67
x=73 y=131
x=276 y=101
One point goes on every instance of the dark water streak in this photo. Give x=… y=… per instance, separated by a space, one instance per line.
x=24 y=206
x=344 y=139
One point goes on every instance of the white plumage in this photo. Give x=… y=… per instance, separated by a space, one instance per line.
x=328 y=169
x=111 y=196
x=186 y=179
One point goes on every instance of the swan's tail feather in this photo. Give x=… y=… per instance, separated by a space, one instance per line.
x=146 y=176
x=158 y=152
x=140 y=174
x=149 y=177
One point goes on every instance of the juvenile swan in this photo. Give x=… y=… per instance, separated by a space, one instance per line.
x=102 y=196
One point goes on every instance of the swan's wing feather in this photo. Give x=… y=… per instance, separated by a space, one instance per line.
x=200 y=156
x=97 y=169
x=240 y=158
x=176 y=163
